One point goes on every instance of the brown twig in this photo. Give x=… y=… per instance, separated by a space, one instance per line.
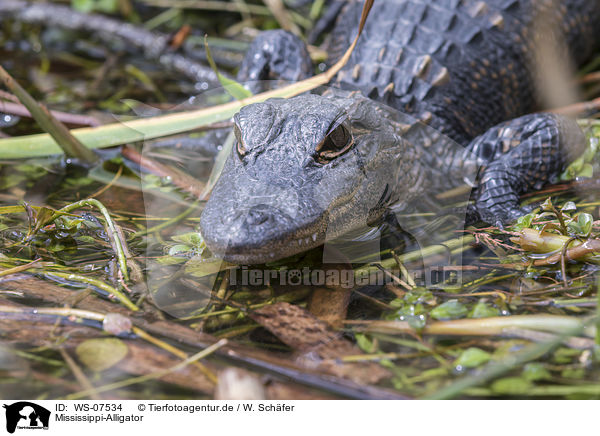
x=183 y=181
x=578 y=108
x=64 y=117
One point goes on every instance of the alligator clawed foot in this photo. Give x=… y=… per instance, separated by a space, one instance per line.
x=502 y=215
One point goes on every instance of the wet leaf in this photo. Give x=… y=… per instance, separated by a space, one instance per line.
x=483 y=310
x=42 y=218
x=417 y=322
x=569 y=206
x=585 y=221
x=179 y=248
x=566 y=355
x=535 y=371
x=472 y=358
x=101 y=354
x=451 y=309
x=524 y=222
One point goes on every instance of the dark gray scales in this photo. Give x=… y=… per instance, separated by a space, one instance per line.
x=467 y=63
x=461 y=67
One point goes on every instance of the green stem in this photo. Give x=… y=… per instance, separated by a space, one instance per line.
x=110 y=229
x=390 y=263
x=168 y=223
x=496 y=369
x=96 y=283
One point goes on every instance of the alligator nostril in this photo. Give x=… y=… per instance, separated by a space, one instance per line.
x=256 y=217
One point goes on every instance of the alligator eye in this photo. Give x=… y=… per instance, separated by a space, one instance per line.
x=238 y=141
x=336 y=143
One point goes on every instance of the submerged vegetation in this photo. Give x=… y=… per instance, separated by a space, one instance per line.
x=108 y=291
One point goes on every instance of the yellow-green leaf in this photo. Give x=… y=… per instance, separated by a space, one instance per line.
x=101 y=354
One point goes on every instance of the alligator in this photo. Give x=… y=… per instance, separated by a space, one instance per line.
x=317 y=166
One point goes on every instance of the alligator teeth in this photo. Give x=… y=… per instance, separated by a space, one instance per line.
x=314 y=237
x=299 y=241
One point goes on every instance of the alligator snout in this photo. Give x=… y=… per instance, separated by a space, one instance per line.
x=236 y=233
x=260 y=215
x=258 y=219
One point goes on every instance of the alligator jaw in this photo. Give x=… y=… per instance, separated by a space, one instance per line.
x=274 y=250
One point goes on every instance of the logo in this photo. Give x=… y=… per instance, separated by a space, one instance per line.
x=26 y=415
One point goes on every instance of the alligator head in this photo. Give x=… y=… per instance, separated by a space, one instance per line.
x=304 y=170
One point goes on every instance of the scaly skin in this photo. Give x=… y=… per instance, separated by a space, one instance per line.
x=460 y=67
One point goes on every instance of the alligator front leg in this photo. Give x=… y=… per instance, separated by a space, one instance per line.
x=522 y=155
x=274 y=55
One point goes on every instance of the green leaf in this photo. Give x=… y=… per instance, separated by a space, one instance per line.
x=192 y=239
x=566 y=355
x=524 y=222
x=585 y=221
x=397 y=303
x=417 y=322
x=511 y=386
x=575 y=373
x=365 y=343
x=482 y=310
x=179 y=248
x=472 y=358
x=43 y=217
x=101 y=354
x=547 y=205
x=84 y=6
x=235 y=89
x=87 y=6
x=535 y=371
x=569 y=206
x=451 y=309
x=587 y=171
